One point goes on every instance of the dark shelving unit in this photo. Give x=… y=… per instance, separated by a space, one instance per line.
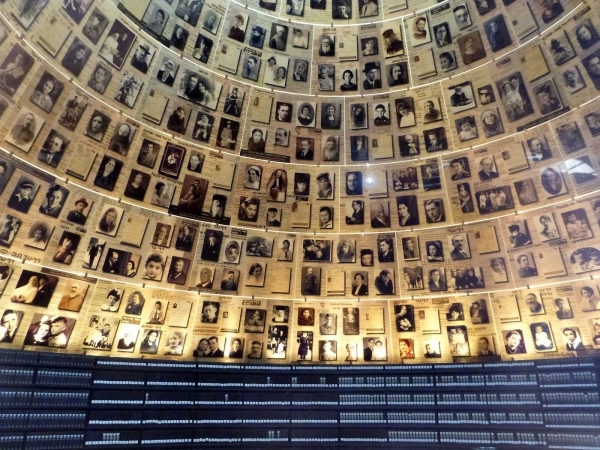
x=57 y=401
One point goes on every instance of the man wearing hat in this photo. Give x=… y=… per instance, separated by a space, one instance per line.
x=76 y=215
x=165 y=75
x=236 y=31
x=140 y=58
x=21 y=201
x=272 y=219
x=278 y=41
x=325 y=191
x=211 y=247
x=373 y=80
x=517 y=239
x=394 y=45
x=256 y=38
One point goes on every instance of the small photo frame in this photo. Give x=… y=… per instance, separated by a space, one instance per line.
x=172 y=160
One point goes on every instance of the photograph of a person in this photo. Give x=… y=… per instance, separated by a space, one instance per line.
x=114 y=261
x=327 y=350
x=178 y=270
x=127 y=336
x=514 y=342
x=497 y=33
x=310 y=282
x=437 y=280
x=435 y=251
x=233 y=251
x=461 y=16
x=254 y=320
x=248 y=209
x=227 y=133
x=230 y=279
x=75 y=59
x=256 y=275
x=179 y=37
x=46 y=92
x=493 y=200
x=577 y=224
x=547 y=97
x=76 y=9
x=392 y=42
x=406 y=348
x=129 y=89
x=492 y=123
x=93 y=253
x=276 y=71
x=191 y=197
x=34 y=288
x=167 y=71
x=397 y=74
x=455 y=312
x=49 y=331
x=306 y=317
x=465 y=279
x=408 y=214
x=202 y=48
x=471 y=47
x=300 y=70
x=37 y=237
x=542 y=336
x=9 y=227
x=351 y=321
x=211 y=21
x=97 y=23
x=442 y=34
x=404 y=317
x=448 y=61
x=117 y=44
x=458 y=340
x=23 y=194
x=515 y=98
x=24 y=129
x=200 y=89
x=359 y=282
x=435 y=139
x=560 y=48
x=211 y=247
x=97 y=126
x=305 y=344
x=14 y=69
x=419 y=26
x=385 y=249
x=412 y=278
x=375 y=348
x=306 y=114
x=405 y=115
x=54 y=200
x=572 y=339
x=150 y=341
x=108 y=173
x=345 y=251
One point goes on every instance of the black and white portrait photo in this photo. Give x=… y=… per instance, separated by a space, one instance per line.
x=24 y=129
x=54 y=200
x=100 y=78
x=129 y=89
x=23 y=194
x=15 y=68
x=46 y=92
x=117 y=44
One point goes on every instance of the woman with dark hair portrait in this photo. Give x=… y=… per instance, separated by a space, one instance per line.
x=552 y=181
x=447 y=61
x=121 y=140
x=192 y=200
x=135 y=304
x=397 y=75
x=455 y=313
x=97 y=126
x=359 y=116
x=420 y=28
x=150 y=342
x=465 y=198
x=42 y=98
x=586 y=34
x=256 y=275
x=249 y=209
x=76 y=58
x=130 y=269
x=177 y=120
x=256 y=142
x=407 y=214
x=348 y=85
x=66 y=248
x=108 y=173
x=277 y=186
x=307 y=115
x=435 y=252
x=108 y=222
x=236 y=349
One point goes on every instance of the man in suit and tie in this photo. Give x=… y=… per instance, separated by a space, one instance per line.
x=373 y=79
x=368 y=350
x=213 y=345
x=211 y=248
x=379 y=220
x=10 y=322
x=166 y=74
x=458 y=242
x=305 y=152
x=51 y=153
x=205 y=278
x=111 y=265
x=487 y=169
x=573 y=340
x=434 y=210
x=22 y=200
x=483 y=347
